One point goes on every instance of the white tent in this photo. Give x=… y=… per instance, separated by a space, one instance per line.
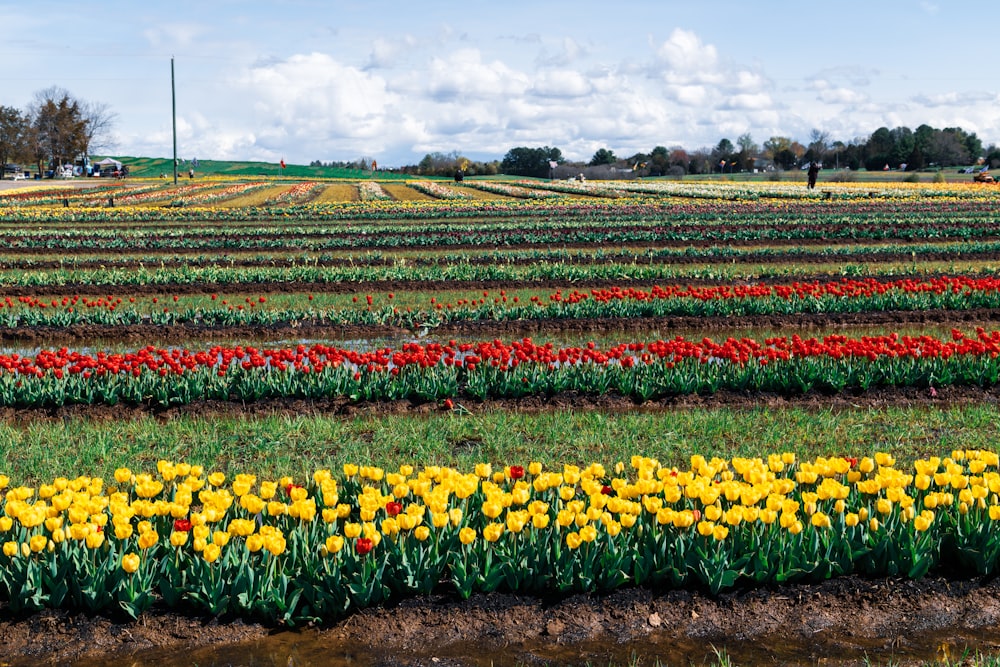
x=109 y=162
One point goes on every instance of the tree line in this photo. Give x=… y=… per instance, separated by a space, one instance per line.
x=896 y=148
x=56 y=129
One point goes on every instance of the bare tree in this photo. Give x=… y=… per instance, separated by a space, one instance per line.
x=818 y=143
x=99 y=121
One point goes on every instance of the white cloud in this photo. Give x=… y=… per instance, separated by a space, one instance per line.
x=693 y=75
x=569 y=51
x=692 y=96
x=955 y=99
x=317 y=90
x=385 y=52
x=841 y=96
x=685 y=53
x=561 y=83
x=464 y=75
x=747 y=102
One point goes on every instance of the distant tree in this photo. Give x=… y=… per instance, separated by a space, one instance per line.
x=524 y=161
x=879 y=149
x=13 y=134
x=702 y=161
x=818 y=142
x=99 y=121
x=785 y=159
x=679 y=159
x=775 y=145
x=974 y=145
x=58 y=127
x=915 y=160
x=748 y=151
x=992 y=155
x=723 y=151
x=923 y=136
x=659 y=159
x=603 y=156
x=949 y=149
x=442 y=164
x=903 y=144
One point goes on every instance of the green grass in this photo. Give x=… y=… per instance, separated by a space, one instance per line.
x=145 y=167
x=39 y=449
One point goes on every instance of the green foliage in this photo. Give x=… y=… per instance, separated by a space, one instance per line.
x=533 y=162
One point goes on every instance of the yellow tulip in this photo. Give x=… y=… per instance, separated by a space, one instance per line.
x=148 y=539
x=37 y=543
x=130 y=562
x=467 y=535
x=573 y=540
x=211 y=553
x=334 y=543
x=493 y=532
x=95 y=539
x=275 y=544
x=255 y=543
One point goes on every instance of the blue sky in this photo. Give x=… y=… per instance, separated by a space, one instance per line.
x=307 y=80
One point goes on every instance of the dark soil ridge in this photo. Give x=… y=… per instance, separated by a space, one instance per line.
x=680 y=233
x=661 y=244
x=876 y=398
x=805 y=323
x=837 y=615
x=590 y=260
x=377 y=286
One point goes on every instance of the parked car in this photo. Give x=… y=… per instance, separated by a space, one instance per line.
x=13 y=171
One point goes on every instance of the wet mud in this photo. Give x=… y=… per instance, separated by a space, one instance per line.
x=849 y=620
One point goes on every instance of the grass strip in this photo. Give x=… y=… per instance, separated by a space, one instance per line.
x=40 y=450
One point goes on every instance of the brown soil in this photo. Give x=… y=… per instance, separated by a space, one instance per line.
x=947 y=396
x=803 y=322
x=841 y=617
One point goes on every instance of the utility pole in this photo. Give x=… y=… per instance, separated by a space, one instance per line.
x=173 y=102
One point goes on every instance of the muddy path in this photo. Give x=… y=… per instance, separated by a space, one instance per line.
x=804 y=323
x=881 y=397
x=849 y=617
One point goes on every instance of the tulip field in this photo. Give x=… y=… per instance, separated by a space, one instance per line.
x=630 y=337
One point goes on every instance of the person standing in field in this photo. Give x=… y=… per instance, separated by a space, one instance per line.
x=813 y=173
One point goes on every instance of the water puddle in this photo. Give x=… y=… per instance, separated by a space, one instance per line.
x=314 y=649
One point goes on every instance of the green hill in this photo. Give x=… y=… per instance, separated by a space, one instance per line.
x=146 y=167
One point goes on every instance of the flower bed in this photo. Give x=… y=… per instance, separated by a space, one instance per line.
x=436 y=372
x=305 y=550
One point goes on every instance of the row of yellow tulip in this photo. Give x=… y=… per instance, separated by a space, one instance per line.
x=522 y=528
